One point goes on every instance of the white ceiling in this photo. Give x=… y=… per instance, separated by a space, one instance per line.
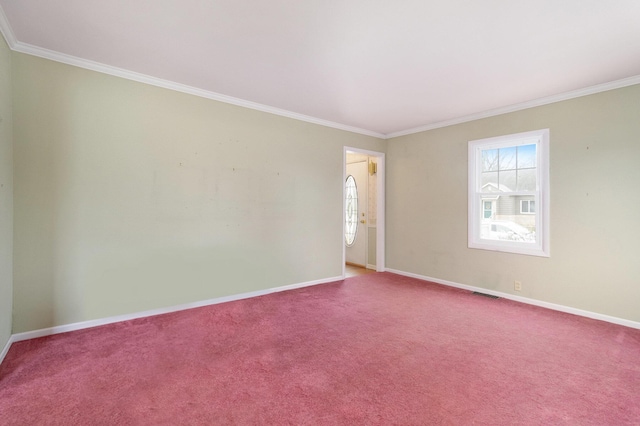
x=372 y=66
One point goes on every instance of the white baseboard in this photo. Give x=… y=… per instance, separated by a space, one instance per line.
x=103 y=321
x=553 y=306
x=370 y=266
x=6 y=348
x=119 y=318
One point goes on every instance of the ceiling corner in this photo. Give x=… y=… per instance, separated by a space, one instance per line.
x=6 y=30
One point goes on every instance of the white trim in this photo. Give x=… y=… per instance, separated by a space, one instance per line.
x=369 y=265
x=178 y=87
x=591 y=90
x=526 y=300
x=344 y=212
x=29 y=49
x=52 y=55
x=119 y=318
x=6 y=348
x=110 y=320
x=381 y=202
x=6 y=30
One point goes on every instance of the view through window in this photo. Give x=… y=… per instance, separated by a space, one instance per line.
x=508 y=179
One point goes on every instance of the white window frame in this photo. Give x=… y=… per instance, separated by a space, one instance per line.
x=541 y=247
x=528 y=206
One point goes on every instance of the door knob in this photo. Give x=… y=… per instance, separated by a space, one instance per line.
x=363 y=221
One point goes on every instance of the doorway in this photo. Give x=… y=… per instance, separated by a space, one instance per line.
x=363 y=209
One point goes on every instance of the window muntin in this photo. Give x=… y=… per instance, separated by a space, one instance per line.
x=508 y=193
x=351 y=211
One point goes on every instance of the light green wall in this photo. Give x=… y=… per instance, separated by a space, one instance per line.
x=595 y=205
x=6 y=195
x=130 y=197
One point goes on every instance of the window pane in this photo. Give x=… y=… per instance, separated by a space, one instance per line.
x=526 y=156
x=508 y=222
x=527 y=180
x=507 y=158
x=507 y=181
x=489 y=182
x=532 y=206
x=489 y=160
x=351 y=213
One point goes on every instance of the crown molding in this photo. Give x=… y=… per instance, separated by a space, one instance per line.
x=6 y=30
x=166 y=84
x=14 y=44
x=617 y=84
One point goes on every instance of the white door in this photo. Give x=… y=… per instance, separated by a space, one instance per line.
x=356 y=214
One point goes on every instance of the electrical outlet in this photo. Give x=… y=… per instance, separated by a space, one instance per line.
x=517 y=285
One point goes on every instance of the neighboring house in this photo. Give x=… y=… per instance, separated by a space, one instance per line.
x=520 y=209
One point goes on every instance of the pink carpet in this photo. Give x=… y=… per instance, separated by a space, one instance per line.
x=374 y=349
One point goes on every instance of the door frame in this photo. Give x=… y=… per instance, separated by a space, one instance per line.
x=380 y=207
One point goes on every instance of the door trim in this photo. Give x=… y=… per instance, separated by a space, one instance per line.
x=380 y=208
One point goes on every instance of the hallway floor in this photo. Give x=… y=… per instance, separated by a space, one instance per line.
x=354 y=271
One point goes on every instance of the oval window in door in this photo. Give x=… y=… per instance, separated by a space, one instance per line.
x=351 y=212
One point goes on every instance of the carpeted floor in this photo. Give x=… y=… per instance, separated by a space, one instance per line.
x=374 y=349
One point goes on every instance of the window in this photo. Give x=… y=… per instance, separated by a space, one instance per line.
x=509 y=193
x=351 y=213
x=527 y=206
